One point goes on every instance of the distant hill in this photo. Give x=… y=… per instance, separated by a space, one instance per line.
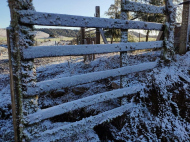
x=59 y=32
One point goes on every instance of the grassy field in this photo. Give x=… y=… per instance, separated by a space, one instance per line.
x=135 y=39
x=3 y=40
x=144 y=39
x=53 y=39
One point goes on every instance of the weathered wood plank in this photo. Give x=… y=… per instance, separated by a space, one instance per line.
x=103 y=36
x=77 y=104
x=145 y=8
x=77 y=50
x=81 y=126
x=50 y=19
x=12 y=86
x=64 y=82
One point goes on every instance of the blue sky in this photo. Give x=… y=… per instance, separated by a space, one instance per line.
x=71 y=7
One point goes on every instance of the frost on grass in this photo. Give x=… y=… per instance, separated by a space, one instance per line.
x=162 y=111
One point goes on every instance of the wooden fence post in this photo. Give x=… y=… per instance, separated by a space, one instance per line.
x=82 y=41
x=82 y=35
x=169 y=51
x=22 y=72
x=97 y=29
x=185 y=27
x=123 y=55
x=97 y=14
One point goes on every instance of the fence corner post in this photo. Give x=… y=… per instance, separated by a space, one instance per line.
x=185 y=27
x=22 y=72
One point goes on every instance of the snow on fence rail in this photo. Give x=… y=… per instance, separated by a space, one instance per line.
x=25 y=90
x=52 y=85
x=80 y=103
x=81 y=126
x=73 y=50
x=145 y=8
x=50 y=19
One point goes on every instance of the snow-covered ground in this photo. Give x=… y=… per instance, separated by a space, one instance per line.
x=161 y=112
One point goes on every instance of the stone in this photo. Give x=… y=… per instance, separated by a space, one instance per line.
x=115 y=85
x=79 y=90
x=58 y=93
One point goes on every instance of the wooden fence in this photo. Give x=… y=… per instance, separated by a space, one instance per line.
x=25 y=90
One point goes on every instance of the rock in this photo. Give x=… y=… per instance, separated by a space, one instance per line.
x=79 y=90
x=58 y=93
x=115 y=85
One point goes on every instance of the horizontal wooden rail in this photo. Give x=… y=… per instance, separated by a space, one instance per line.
x=49 y=19
x=64 y=82
x=81 y=126
x=145 y=8
x=77 y=104
x=77 y=50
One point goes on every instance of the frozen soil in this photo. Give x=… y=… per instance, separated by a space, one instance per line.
x=161 y=111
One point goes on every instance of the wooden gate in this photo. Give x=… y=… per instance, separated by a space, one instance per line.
x=25 y=90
